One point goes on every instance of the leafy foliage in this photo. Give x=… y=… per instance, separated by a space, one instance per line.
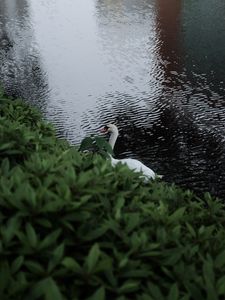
x=73 y=227
x=96 y=144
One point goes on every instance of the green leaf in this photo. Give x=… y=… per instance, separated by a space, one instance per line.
x=11 y=229
x=86 y=144
x=123 y=262
x=174 y=292
x=191 y=230
x=103 y=144
x=104 y=264
x=6 y=146
x=133 y=220
x=209 y=276
x=155 y=291
x=173 y=256
x=50 y=239
x=72 y=265
x=5 y=166
x=220 y=260
x=34 y=267
x=208 y=271
x=58 y=252
x=129 y=286
x=17 y=263
x=53 y=291
x=177 y=215
x=145 y=297
x=31 y=234
x=56 y=258
x=44 y=222
x=5 y=277
x=100 y=142
x=220 y=286
x=195 y=291
x=111 y=277
x=119 y=205
x=46 y=287
x=99 y=294
x=96 y=233
x=93 y=257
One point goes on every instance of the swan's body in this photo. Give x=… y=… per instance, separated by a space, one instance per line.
x=133 y=164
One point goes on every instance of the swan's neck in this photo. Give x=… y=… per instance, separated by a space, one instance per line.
x=113 y=138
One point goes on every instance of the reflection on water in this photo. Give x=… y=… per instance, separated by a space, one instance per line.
x=20 y=67
x=153 y=67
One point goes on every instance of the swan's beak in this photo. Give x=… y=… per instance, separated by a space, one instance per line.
x=104 y=129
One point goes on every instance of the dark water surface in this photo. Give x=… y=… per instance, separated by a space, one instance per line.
x=155 y=67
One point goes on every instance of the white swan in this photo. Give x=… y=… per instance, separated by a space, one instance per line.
x=133 y=164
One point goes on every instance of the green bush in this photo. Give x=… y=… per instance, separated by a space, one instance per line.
x=72 y=227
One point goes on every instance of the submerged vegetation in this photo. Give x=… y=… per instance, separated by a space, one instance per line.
x=72 y=227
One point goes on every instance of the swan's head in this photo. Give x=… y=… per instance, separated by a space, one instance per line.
x=110 y=128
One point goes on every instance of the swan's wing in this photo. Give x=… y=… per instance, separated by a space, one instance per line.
x=137 y=166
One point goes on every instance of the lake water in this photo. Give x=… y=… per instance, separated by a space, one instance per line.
x=154 y=67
